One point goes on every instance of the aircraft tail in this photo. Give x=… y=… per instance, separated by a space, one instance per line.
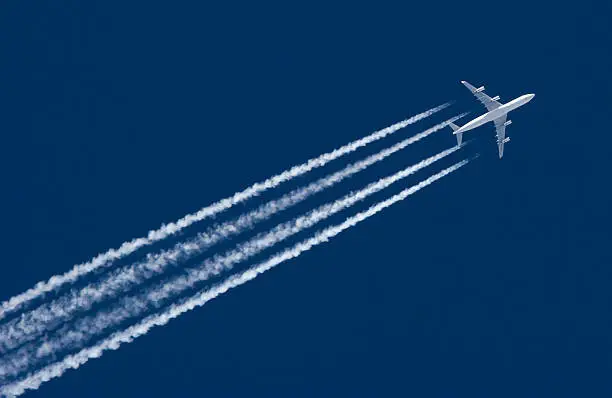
x=460 y=135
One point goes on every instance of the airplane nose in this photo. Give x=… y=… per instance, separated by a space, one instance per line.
x=530 y=96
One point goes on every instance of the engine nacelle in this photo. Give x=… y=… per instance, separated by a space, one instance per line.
x=506 y=140
x=479 y=89
x=495 y=98
x=508 y=123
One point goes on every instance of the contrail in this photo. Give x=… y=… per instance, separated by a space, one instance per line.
x=113 y=342
x=129 y=247
x=32 y=324
x=130 y=307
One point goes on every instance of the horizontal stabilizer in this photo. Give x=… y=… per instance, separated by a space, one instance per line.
x=459 y=135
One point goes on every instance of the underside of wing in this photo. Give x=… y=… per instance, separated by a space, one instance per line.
x=500 y=134
x=488 y=102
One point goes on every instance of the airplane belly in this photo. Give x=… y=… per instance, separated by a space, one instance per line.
x=479 y=121
x=497 y=113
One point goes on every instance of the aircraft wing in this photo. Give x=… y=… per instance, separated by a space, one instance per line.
x=500 y=130
x=487 y=101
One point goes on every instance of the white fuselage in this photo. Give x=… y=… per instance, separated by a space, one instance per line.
x=495 y=113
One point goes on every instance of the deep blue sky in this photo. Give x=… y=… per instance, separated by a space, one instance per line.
x=117 y=116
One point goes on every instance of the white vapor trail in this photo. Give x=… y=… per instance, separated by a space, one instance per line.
x=130 y=307
x=32 y=324
x=164 y=231
x=113 y=342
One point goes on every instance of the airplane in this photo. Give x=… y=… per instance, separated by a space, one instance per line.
x=496 y=112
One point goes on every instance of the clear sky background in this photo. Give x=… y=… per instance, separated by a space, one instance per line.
x=117 y=116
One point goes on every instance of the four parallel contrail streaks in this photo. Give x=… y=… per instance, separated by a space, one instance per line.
x=37 y=321
x=113 y=342
x=164 y=231
x=130 y=307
